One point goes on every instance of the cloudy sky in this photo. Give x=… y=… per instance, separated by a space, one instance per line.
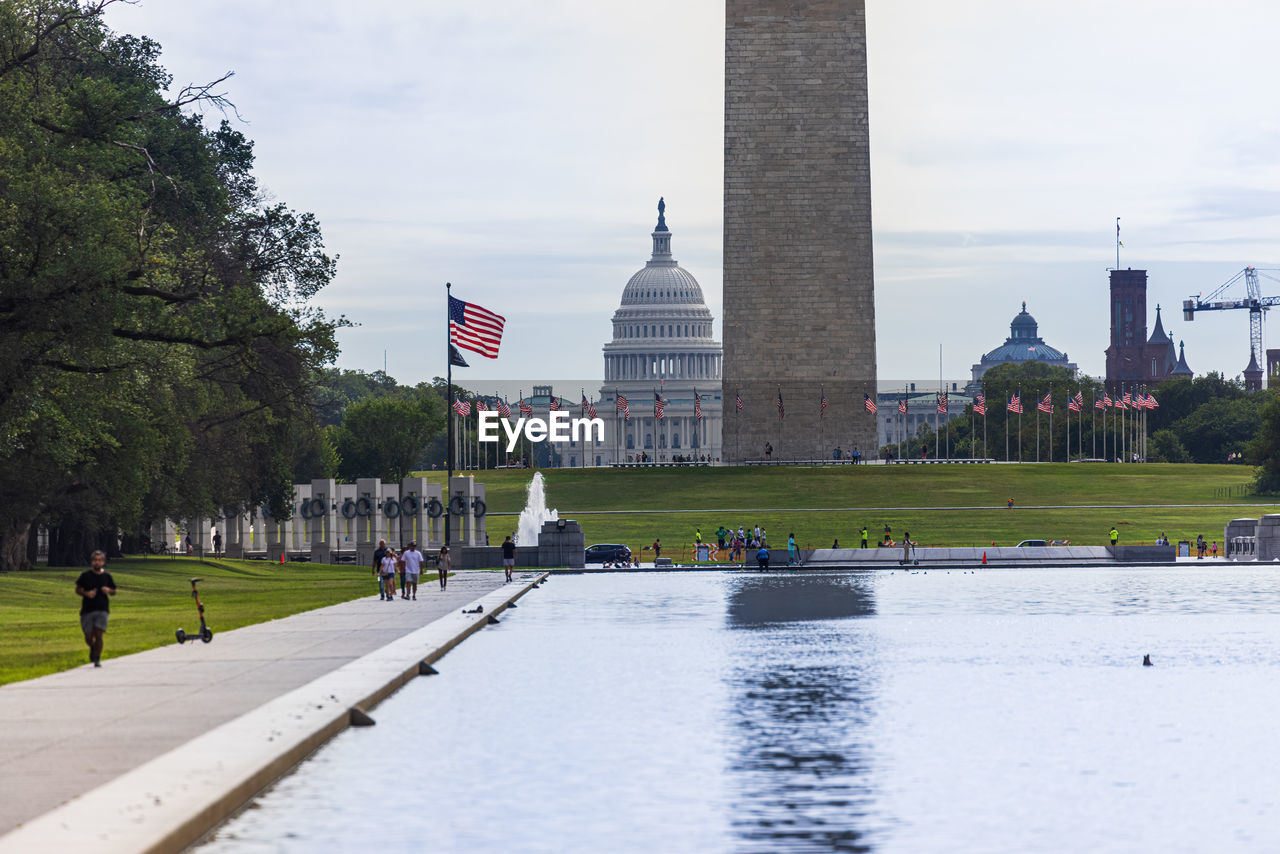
x=518 y=149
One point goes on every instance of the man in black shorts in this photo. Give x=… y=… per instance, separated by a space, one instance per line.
x=508 y=556
x=95 y=587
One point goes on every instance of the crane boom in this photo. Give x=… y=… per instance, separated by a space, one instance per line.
x=1254 y=301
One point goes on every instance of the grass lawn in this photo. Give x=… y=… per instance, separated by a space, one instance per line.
x=813 y=502
x=39 y=609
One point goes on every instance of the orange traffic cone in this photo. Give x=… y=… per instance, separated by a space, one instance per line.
x=984 y=558
x=282 y=559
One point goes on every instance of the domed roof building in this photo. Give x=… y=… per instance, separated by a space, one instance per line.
x=662 y=344
x=1024 y=344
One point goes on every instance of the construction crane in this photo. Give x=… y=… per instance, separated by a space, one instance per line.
x=1254 y=301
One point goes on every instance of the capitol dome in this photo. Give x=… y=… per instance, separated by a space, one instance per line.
x=663 y=345
x=1024 y=344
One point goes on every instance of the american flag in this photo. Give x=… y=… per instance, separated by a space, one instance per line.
x=867 y=402
x=475 y=328
x=525 y=409
x=584 y=402
x=555 y=403
x=1151 y=402
x=902 y=405
x=697 y=405
x=1128 y=399
x=623 y=407
x=1098 y=404
x=480 y=407
x=659 y=406
x=942 y=402
x=1045 y=405
x=739 y=401
x=782 y=410
x=1120 y=403
x=980 y=404
x=1106 y=400
x=822 y=404
x=1075 y=404
x=462 y=407
x=1015 y=404
x=503 y=409
x=591 y=410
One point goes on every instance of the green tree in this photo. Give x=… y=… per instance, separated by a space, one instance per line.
x=159 y=343
x=1164 y=447
x=386 y=437
x=1264 y=449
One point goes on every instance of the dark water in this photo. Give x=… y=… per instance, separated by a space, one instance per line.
x=996 y=711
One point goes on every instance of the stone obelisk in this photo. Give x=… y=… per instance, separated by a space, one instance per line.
x=799 y=299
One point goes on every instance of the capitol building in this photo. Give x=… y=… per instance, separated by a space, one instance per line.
x=662 y=344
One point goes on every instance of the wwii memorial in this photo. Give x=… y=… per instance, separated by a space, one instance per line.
x=595 y=558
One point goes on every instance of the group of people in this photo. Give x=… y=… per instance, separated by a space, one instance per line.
x=746 y=540
x=407 y=565
x=854 y=454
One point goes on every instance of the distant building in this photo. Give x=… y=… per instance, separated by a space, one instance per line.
x=1024 y=344
x=662 y=343
x=1132 y=357
x=894 y=427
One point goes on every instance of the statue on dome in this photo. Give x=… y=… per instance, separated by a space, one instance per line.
x=662 y=210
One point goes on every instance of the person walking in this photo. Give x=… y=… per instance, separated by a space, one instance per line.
x=1200 y=547
x=446 y=563
x=95 y=587
x=378 y=554
x=657 y=549
x=387 y=572
x=508 y=556
x=864 y=536
x=1114 y=535
x=888 y=534
x=793 y=556
x=217 y=543
x=412 y=562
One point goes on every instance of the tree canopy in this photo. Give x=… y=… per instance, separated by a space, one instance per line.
x=160 y=345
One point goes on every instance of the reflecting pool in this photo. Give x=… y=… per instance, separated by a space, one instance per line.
x=992 y=711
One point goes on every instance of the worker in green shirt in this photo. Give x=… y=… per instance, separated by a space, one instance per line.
x=1115 y=535
x=864 y=536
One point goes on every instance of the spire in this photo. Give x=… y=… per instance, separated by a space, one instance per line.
x=1181 y=369
x=1158 y=335
x=661 y=236
x=1253 y=373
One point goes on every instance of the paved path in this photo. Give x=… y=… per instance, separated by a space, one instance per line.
x=565 y=514
x=65 y=734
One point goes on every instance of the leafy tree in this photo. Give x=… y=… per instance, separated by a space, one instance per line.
x=387 y=436
x=1219 y=427
x=159 y=343
x=1264 y=449
x=1164 y=447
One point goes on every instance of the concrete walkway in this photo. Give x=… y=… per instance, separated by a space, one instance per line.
x=65 y=734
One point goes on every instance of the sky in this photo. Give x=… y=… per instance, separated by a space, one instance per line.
x=518 y=150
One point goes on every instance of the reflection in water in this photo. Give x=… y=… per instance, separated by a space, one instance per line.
x=797 y=699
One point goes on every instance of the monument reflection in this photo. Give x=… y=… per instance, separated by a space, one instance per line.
x=799 y=698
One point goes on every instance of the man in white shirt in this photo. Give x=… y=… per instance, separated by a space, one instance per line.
x=412 y=568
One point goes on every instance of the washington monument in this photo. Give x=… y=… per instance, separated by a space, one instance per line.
x=799 y=300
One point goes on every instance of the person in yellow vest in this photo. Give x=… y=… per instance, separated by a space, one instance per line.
x=864 y=536
x=1115 y=535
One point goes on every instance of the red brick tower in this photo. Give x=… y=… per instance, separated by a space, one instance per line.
x=1128 y=327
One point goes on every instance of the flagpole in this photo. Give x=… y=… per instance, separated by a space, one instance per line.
x=448 y=358
x=1037 y=425
x=1050 y=422
x=1020 y=408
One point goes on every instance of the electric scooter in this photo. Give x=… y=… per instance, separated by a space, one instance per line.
x=206 y=633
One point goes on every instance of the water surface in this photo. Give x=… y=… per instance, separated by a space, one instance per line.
x=993 y=711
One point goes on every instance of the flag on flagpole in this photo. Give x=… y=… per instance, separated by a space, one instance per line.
x=591 y=409
x=902 y=405
x=462 y=407
x=1015 y=404
x=1151 y=401
x=624 y=407
x=1045 y=405
x=697 y=405
x=480 y=407
x=584 y=402
x=555 y=404
x=739 y=401
x=942 y=402
x=1106 y=400
x=526 y=409
x=1073 y=404
x=822 y=404
x=1120 y=403
x=782 y=410
x=869 y=404
x=455 y=358
x=1098 y=404
x=473 y=327
x=659 y=406
x=1128 y=399
x=503 y=409
x=980 y=404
